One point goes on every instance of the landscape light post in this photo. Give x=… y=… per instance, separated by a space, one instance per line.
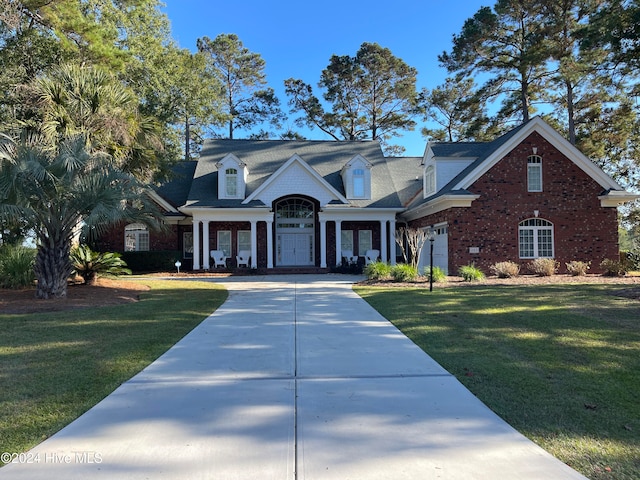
x=431 y=236
x=178 y=264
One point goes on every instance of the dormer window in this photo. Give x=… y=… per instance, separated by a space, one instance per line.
x=358 y=183
x=429 y=181
x=232 y=178
x=356 y=178
x=231 y=182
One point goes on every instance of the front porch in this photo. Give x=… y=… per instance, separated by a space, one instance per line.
x=315 y=248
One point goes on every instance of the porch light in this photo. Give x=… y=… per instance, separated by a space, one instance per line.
x=431 y=236
x=178 y=264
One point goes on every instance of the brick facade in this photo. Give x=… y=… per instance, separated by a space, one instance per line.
x=583 y=230
x=168 y=239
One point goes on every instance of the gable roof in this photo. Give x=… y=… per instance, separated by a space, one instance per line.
x=264 y=157
x=312 y=174
x=487 y=154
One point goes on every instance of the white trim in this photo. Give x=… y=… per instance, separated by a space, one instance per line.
x=312 y=173
x=615 y=198
x=231 y=161
x=259 y=214
x=439 y=204
x=162 y=202
x=554 y=138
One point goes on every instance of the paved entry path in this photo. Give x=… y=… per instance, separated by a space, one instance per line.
x=294 y=377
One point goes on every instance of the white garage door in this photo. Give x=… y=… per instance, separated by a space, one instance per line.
x=440 y=250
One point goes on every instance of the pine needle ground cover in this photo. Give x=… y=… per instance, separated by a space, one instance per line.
x=560 y=363
x=55 y=366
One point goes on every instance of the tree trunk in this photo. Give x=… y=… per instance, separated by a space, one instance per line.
x=52 y=269
x=570 y=113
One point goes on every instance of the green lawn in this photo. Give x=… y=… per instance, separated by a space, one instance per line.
x=560 y=363
x=55 y=366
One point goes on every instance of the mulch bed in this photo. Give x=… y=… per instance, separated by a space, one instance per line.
x=105 y=292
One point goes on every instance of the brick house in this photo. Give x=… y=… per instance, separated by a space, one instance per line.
x=303 y=204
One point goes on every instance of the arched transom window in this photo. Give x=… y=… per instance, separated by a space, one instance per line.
x=136 y=238
x=535 y=238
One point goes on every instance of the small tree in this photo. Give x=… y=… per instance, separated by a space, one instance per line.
x=59 y=189
x=411 y=241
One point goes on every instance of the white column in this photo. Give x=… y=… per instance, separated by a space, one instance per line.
x=254 y=245
x=205 y=245
x=323 y=243
x=392 y=241
x=196 y=244
x=384 y=257
x=338 y=242
x=270 y=243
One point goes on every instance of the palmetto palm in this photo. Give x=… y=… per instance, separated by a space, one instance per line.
x=60 y=189
x=91 y=102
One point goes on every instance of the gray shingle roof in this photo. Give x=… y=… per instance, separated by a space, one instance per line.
x=264 y=157
x=481 y=151
x=176 y=189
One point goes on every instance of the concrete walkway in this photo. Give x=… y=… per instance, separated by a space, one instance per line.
x=294 y=377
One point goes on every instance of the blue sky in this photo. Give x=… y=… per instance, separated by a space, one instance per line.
x=297 y=39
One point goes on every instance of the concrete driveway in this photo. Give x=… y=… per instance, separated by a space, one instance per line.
x=294 y=377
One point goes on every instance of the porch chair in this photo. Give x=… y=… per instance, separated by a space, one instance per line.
x=243 y=257
x=218 y=258
x=371 y=256
x=349 y=257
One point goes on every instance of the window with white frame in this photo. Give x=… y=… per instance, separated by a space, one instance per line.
x=187 y=245
x=365 y=242
x=231 y=182
x=244 y=240
x=232 y=177
x=346 y=240
x=534 y=173
x=429 y=181
x=224 y=242
x=356 y=178
x=535 y=238
x=136 y=238
x=358 y=183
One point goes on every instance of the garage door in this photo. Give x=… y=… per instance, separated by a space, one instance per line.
x=440 y=250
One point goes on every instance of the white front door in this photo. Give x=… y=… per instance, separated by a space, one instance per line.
x=295 y=249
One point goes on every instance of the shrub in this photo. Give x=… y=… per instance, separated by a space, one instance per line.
x=613 y=268
x=544 y=267
x=438 y=274
x=471 y=273
x=89 y=264
x=505 y=269
x=404 y=273
x=377 y=271
x=16 y=266
x=632 y=259
x=153 y=261
x=578 y=269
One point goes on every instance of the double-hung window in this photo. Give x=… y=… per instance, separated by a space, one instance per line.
x=231 y=182
x=358 y=183
x=534 y=173
x=365 y=242
x=244 y=240
x=224 y=242
x=535 y=238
